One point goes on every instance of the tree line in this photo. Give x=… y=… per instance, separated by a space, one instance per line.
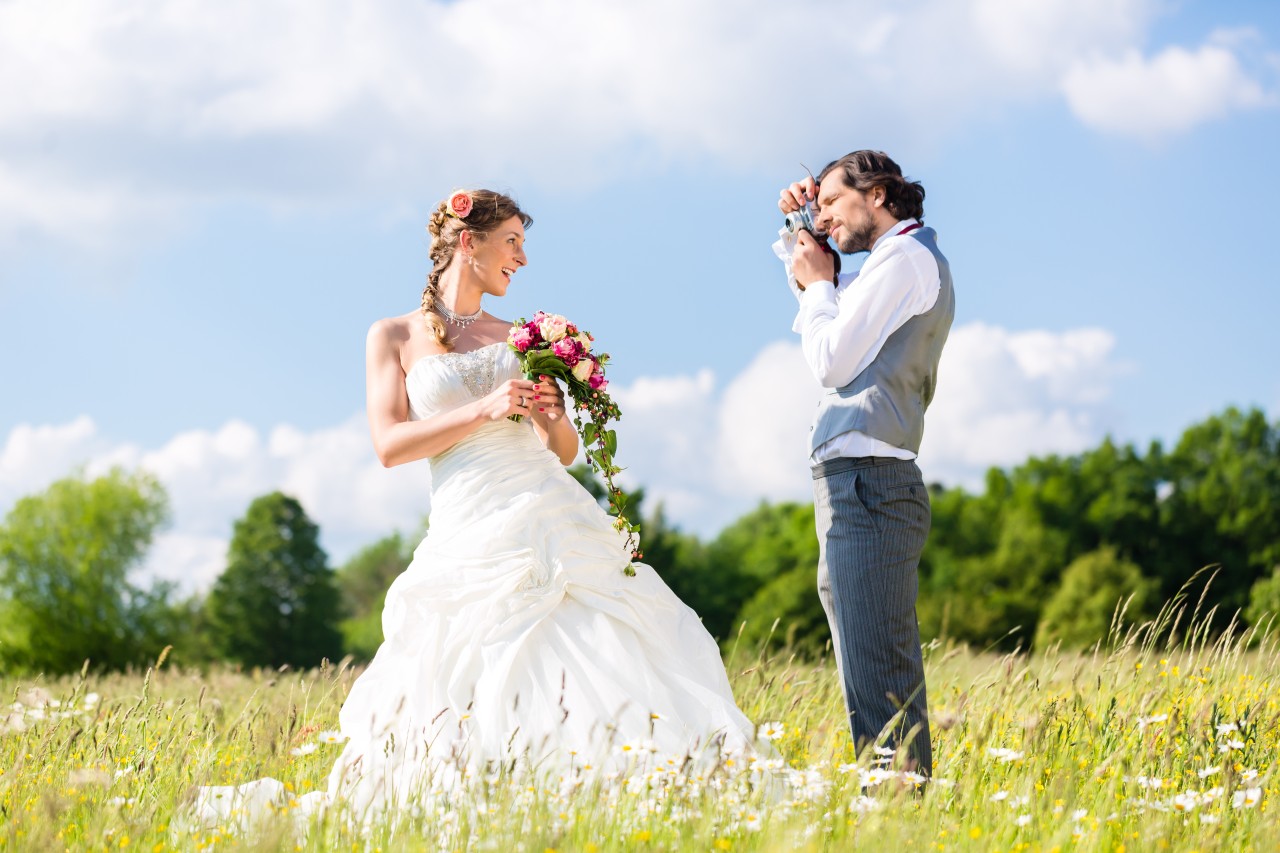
x=1043 y=555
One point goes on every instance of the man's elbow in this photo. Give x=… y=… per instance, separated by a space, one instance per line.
x=826 y=377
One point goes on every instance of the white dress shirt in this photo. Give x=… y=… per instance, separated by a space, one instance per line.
x=842 y=327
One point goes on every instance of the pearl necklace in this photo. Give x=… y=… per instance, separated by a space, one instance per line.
x=459 y=320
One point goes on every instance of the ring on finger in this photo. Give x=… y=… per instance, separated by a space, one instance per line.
x=522 y=401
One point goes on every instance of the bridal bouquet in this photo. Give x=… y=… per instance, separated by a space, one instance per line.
x=549 y=345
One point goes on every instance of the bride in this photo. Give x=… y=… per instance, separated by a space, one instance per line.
x=513 y=639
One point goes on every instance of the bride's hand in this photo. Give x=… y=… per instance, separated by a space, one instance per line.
x=513 y=397
x=548 y=406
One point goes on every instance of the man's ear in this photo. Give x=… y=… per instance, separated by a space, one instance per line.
x=878 y=196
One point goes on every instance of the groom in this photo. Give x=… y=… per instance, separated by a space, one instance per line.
x=873 y=339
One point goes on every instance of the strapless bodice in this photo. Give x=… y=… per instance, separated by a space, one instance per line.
x=443 y=381
x=495 y=451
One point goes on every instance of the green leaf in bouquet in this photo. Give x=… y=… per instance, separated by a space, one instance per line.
x=589 y=433
x=611 y=443
x=545 y=362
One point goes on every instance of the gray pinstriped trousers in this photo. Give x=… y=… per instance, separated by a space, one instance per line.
x=873 y=518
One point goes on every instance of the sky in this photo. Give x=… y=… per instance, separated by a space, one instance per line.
x=203 y=207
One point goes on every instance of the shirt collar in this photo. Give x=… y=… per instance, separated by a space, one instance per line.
x=895 y=229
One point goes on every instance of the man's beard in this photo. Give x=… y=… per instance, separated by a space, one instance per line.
x=858 y=240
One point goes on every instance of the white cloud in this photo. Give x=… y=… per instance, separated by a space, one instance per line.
x=212 y=476
x=1168 y=93
x=1004 y=396
x=190 y=561
x=667 y=430
x=130 y=110
x=764 y=419
x=708 y=451
x=34 y=456
x=1035 y=42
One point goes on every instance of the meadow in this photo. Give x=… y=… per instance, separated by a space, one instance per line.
x=1162 y=738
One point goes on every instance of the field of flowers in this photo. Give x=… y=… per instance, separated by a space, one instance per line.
x=1164 y=740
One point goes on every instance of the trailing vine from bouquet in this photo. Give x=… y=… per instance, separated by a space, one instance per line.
x=549 y=345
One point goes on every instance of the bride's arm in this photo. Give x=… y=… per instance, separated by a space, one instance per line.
x=396 y=439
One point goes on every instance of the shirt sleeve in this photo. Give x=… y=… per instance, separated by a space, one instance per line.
x=840 y=337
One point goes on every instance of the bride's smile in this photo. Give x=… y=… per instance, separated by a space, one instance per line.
x=493 y=259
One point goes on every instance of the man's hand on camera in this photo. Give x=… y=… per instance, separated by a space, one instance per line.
x=797 y=195
x=812 y=261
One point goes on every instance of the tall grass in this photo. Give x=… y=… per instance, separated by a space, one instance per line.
x=1162 y=736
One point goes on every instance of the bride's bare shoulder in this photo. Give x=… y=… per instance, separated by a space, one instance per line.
x=392 y=330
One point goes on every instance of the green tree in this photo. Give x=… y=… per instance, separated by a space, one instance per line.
x=992 y=596
x=65 y=559
x=1081 y=611
x=1223 y=506
x=791 y=600
x=991 y=556
x=363 y=581
x=965 y=530
x=1264 y=599
x=760 y=547
x=681 y=560
x=276 y=603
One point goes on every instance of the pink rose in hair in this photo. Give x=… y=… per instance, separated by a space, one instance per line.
x=521 y=339
x=460 y=204
x=567 y=351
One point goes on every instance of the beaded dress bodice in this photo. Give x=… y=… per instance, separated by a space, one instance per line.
x=443 y=381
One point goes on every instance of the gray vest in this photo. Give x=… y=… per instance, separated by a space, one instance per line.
x=888 y=398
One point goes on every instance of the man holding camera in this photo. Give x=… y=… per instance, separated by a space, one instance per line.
x=873 y=339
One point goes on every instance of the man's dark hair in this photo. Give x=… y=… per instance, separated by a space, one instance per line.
x=865 y=169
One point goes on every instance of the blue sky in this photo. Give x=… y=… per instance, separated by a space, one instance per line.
x=202 y=210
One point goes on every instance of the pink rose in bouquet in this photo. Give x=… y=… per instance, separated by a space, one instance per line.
x=521 y=338
x=567 y=350
x=552 y=326
x=549 y=345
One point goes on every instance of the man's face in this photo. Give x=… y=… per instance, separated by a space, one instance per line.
x=845 y=214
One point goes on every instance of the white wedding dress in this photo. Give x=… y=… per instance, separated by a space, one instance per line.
x=514 y=639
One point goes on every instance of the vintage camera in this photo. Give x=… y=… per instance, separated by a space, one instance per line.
x=801 y=220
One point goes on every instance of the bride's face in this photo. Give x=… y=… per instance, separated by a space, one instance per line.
x=497 y=256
